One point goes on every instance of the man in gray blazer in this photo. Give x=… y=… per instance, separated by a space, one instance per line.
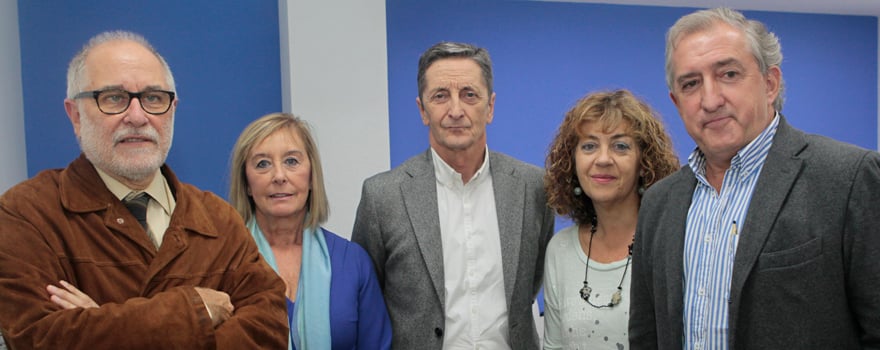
x=457 y=233
x=769 y=238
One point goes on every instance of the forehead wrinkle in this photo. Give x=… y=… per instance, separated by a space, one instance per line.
x=447 y=73
x=455 y=84
x=732 y=61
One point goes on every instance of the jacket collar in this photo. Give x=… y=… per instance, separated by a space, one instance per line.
x=83 y=191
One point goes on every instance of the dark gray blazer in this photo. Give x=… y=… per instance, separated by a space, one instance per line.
x=807 y=269
x=398 y=224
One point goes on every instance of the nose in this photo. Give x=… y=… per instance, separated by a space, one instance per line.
x=604 y=156
x=135 y=114
x=711 y=98
x=455 y=108
x=278 y=175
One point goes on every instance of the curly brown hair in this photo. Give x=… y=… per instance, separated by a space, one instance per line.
x=610 y=108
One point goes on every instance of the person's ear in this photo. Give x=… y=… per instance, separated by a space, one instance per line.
x=72 y=110
x=491 y=109
x=422 y=112
x=773 y=79
x=674 y=100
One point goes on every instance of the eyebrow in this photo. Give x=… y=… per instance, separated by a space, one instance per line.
x=681 y=78
x=437 y=89
x=464 y=87
x=613 y=137
x=720 y=64
x=728 y=62
x=288 y=153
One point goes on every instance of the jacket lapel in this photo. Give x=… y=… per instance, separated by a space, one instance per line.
x=673 y=239
x=83 y=191
x=509 y=193
x=420 y=201
x=776 y=179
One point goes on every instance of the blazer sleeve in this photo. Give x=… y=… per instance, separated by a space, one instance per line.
x=862 y=244
x=548 y=222
x=642 y=319
x=367 y=231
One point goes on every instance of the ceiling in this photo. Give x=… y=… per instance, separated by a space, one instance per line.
x=843 y=7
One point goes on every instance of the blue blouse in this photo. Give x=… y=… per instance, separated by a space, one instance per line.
x=358 y=317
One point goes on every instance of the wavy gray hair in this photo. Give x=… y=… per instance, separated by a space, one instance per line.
x=764 y=44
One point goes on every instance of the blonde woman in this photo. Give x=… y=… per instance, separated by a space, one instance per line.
x=277 y=186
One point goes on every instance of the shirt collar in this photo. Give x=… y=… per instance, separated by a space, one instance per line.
x=157 y=189
x=447 y=176
x=746 y=159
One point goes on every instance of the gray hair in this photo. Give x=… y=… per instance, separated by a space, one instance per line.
x=763 y=43
x=75 y=77
x=443 y=50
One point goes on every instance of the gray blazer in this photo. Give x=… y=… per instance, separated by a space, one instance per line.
x=806 y=273
x=398 y=224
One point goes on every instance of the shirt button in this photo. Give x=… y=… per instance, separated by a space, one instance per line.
x=701 y=291
x=120 y=221
x=708 y=239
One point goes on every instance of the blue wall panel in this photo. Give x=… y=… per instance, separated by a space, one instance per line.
x=225 y=58
x=548 y=54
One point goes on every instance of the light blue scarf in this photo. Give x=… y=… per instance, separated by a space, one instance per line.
x=313 y=292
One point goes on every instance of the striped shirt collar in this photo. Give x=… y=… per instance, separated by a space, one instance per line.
x=747 y=160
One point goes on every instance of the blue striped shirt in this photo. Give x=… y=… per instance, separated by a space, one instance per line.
x=711 y=237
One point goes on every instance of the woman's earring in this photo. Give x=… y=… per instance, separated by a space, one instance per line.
x=641 y=190
x=578 y=191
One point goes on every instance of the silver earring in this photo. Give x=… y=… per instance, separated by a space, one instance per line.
x=578 y=191
x=641 y=190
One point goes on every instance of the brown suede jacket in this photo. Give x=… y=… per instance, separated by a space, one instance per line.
x=64 y=224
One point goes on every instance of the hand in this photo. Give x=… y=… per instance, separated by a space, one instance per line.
x=70 y=297
x=219 y=306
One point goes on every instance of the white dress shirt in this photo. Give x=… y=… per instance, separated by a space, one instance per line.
x=476 y=308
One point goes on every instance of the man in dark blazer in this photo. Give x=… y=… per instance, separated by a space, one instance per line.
x=457 y=233
x=768 y=238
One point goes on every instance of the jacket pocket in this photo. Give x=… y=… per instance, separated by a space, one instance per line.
x=791 y=257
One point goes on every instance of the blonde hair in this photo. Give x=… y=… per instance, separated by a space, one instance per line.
x=317 y=204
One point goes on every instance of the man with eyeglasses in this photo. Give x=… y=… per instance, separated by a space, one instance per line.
x=114 y=252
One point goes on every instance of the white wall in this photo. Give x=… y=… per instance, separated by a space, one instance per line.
x=12 y=148
x=335 y=75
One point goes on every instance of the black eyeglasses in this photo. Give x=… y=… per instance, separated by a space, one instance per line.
x=115 y=101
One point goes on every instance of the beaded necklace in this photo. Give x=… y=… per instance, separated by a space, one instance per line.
x=586 y=290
